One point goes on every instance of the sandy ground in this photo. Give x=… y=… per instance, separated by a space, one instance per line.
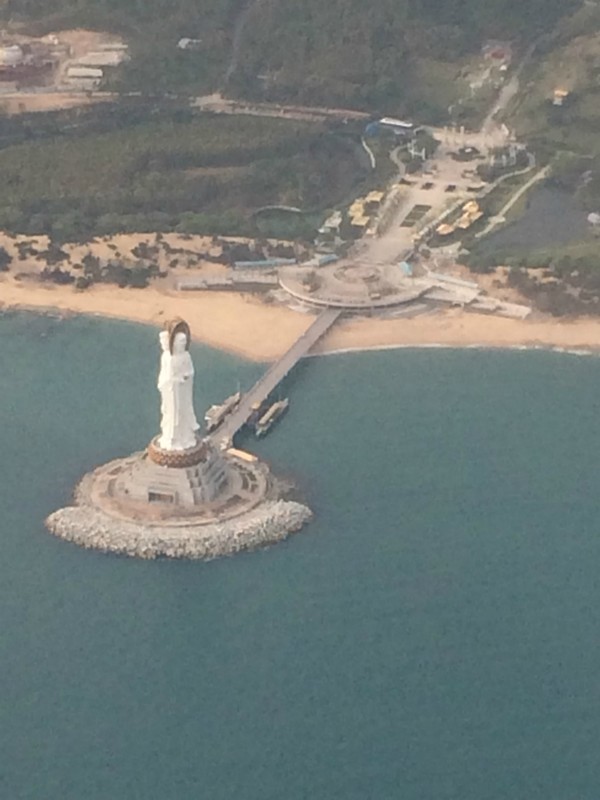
x=239 y=324
x=81 y=41
x=21 y=102
x=191 y=252
x=456 y=328
x=247 y=327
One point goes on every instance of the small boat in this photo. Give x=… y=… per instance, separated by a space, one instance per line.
x=217 y=413
x=270 y=417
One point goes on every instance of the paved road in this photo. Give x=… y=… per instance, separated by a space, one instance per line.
x=273 y=376
x=218 y=104
x=500 y=217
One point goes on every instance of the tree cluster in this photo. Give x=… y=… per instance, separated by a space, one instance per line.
x=341 y=52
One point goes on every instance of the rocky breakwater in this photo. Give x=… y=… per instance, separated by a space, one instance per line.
x=268 y=523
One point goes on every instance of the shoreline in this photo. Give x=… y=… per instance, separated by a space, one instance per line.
x=376 y=348
x=247 y=327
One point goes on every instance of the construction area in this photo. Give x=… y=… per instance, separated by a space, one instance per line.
x=67 y=61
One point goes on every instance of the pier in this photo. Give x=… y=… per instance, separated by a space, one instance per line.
x=236 y=280
x=261 y=390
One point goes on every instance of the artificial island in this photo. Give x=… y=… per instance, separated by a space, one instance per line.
x=187 y=495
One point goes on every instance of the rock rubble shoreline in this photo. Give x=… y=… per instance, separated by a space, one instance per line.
x=270 y=522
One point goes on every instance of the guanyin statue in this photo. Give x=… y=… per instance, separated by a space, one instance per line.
x=178 y=424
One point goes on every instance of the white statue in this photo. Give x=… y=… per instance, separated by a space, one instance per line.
x=163 y=375
x=176 y=386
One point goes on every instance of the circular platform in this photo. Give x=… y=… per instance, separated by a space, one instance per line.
x=351 y=286
x=247 y=513
x=135 y=489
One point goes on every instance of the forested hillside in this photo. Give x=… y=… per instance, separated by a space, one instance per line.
x=384 y=53
x=377 y=54
x=569 y=60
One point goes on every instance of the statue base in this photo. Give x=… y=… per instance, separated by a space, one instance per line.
x=217 y=506
x=178 y=458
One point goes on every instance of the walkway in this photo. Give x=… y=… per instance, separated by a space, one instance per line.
x=261 y=390
x=500 y=217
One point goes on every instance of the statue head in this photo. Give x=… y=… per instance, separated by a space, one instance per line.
x=175 y=327
x=180 y=343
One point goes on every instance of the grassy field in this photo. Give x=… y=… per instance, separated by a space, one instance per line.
x=585 y=251
x=165 y=170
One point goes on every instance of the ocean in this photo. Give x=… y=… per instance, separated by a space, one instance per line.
x=432 y=635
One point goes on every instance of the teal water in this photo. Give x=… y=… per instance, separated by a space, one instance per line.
x=433 y=635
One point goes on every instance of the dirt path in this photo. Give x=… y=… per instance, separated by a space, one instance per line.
x=508 y=92
x=500 y=217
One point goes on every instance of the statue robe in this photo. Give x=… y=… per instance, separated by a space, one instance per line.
x=176 y=386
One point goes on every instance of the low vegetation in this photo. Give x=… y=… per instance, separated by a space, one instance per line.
x=119 y=168
x=133 y=260
x=565 y=286
x=560 y=280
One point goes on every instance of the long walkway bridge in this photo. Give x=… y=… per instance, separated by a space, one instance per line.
x=273 y=376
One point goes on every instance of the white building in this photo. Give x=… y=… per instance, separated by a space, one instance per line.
x=102 y=58
x=189 y=44
x=11 y=55
x=594 y=219
x=83 y=84
x=91 y=73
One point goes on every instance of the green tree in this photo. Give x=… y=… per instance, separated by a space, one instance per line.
x=5 y=260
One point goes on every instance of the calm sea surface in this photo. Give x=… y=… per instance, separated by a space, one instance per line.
x=433 y=635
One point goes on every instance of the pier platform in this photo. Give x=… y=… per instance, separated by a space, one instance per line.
x=256 y=396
